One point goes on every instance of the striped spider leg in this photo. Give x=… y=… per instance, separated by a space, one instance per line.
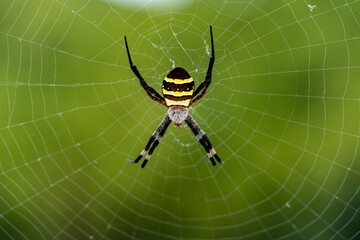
x=156 y=138
x=203 y=139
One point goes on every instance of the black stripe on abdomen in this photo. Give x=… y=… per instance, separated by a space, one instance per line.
x=178 y=87
x=177 y=98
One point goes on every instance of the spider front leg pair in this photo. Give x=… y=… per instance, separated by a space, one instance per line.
x=178 y=94
x=156 y=136
x=204 y=140
x=178 y=115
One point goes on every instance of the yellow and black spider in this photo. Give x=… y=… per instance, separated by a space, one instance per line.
x=178 y=91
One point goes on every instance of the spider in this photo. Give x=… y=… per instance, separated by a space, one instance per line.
x=178 y=91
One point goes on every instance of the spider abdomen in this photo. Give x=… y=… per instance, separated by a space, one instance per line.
x=178 y=88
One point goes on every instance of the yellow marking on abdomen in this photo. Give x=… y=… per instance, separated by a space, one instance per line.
x=179 y=81
x=184 y=103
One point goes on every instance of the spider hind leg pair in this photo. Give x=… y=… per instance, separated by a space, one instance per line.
x=178 y=95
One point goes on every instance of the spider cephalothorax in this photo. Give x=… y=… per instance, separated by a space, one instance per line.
x=178 y=94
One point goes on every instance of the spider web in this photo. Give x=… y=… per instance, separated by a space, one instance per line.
x=283 y=113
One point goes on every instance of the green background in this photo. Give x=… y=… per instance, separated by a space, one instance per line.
x=283 y=113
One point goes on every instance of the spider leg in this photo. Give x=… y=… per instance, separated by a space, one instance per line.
x=212 y=150
x=199 y=136
x=205 y=84
x=156 y=143
x=203 y=139
x=161 y=126
x=149 y=90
